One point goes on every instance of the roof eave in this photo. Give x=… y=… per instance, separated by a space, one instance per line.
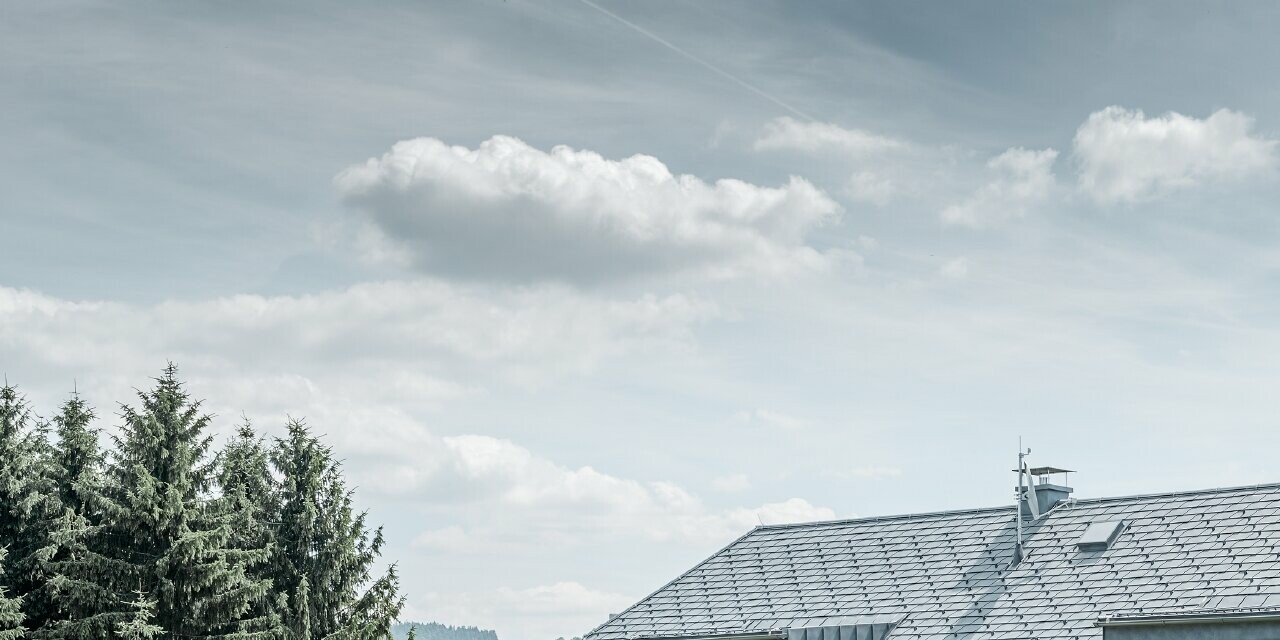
x=1191 y=618
x=743 y=635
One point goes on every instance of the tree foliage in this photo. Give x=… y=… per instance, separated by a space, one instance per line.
x=75 y=475
x=325 y=552
x=161 y=530
x=11 y=617
x=26 y=505
x=248 y=504
x=158 y=538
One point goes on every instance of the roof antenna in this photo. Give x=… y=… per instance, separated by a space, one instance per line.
x=1018 y=497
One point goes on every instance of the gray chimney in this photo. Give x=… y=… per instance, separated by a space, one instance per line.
x=1044 y=491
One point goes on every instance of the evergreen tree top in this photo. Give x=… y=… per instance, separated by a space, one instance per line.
x=15 y=414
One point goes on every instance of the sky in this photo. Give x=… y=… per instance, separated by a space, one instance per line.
x=582 y=290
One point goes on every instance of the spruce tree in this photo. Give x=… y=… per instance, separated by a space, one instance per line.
x=26 y=506
x=161 y=535
x=79 y=582
x=249 y=500
x=325 y=554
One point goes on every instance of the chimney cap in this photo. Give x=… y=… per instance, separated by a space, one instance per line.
x=1044 y=471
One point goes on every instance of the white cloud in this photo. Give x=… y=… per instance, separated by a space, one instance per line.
x=1024 y=178
x=870 y=187
x=1124 y=156
x=508 y=211
x=535 y=496
x=420 y=325
x=540 y=612
x=956 y=269
x=731 y=483
x=362 y=364
x=788 y=133
x=785 y=512
x=317 y=357
x=861 y=167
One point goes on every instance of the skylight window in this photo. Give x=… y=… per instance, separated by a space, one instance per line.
x=1100 y=535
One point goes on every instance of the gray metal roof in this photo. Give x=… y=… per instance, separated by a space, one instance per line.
x=946 y=575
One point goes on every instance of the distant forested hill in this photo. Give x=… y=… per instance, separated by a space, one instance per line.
x=434 y=631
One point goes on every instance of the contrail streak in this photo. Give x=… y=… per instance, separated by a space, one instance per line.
x=735 y=79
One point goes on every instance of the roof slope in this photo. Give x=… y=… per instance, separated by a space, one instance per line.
x=947 y=574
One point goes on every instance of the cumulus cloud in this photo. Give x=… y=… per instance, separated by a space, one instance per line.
x=1024 y=178
x=361 y=363
x=564 y=504
x=532 y=331
x=792 y=134
x=270 y=355
x=1124 y=156
x=785 y=512
x=858 y=166
x=560 y=609
x=510 y=212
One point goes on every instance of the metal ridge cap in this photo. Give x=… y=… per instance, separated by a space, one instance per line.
x=974 y=510
x=895 y=516
x=1178 y=494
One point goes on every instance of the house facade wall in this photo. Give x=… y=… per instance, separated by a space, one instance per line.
x=1226 y=630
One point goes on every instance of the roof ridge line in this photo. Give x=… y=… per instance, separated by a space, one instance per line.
x=1185 y=492
x=1072 y=501
x=895 y=516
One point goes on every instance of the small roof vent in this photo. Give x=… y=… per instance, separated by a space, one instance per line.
x=1100 y=535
